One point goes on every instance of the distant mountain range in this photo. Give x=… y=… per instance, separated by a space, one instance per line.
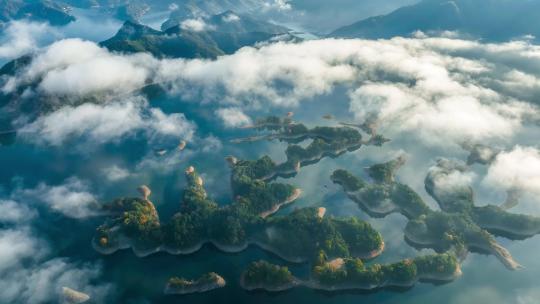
x=223 y=34
x=56 y=13
x=493 y=20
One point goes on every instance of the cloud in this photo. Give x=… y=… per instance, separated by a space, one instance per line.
x=21 y=37
x=73 y=198
x=14 y=212
x=196 y=25
x=450 y=178
x=452 y=118
x=42 y=281
x=16 y=246
x=100 y=123
x=280 y=5
x=518 y=169
x=231 y=17
x=73 y=67
x=174 y=158
x=28 y=273
x=439 y=89
x=233 y=117
x=28 y=276
x=115 y=173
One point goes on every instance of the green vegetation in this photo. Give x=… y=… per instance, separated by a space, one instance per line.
x=458 y=227
x=325 y=142
x=384 y=196
x=265 y=275
x=250 y=189
x=311 y=235
x=298 y=236
x=177 y=42
x=353 y=273
x=136 y=218
x=349 y=182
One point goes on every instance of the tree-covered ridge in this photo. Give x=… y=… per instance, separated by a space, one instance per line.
x=352 y=273
x=325 y=142
x=263 y=275
x=297 y=237
x=459 y=227
x=179 y=42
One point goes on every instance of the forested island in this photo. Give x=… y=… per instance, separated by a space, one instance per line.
x=458 y=228
x=337 y=249
x=325 y=142
x=353 y=274
x=296 y=237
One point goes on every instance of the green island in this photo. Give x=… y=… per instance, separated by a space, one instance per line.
x=263 y=275
x=459 y=227
x=206 y=282
x=325 y=142
x=335 y=248
x=353 y=274
x=296 y=237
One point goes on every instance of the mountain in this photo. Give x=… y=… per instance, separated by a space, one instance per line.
x=55 y=13
x=220 y=38
x=202 y=9
x=493 y=20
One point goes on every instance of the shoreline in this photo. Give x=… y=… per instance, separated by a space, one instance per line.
x=296 y=194
x=315 y=285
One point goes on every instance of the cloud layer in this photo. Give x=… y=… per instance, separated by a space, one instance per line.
x=442 y=89
x=518 y=169
x=102 y=123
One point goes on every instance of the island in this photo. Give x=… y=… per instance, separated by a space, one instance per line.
x=266 y=276
x=205 y=283
x=338 y=250
x=325 y=142
x=353 y=274
x=459 y=227
x=248 y=220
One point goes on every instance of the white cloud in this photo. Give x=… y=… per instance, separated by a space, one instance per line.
x=16 y=246
x=74 y=67
x=28 y=274
x=14 y=212
x=175 y=158
x=517 y=169
x=72 y=199
x=231 y=17
x=280 y=5
x=22 y=37
x=115 y=173
x=196 y=25
x=233 y=117
x=102 y=123
x=450 y=178
x=440 y=89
